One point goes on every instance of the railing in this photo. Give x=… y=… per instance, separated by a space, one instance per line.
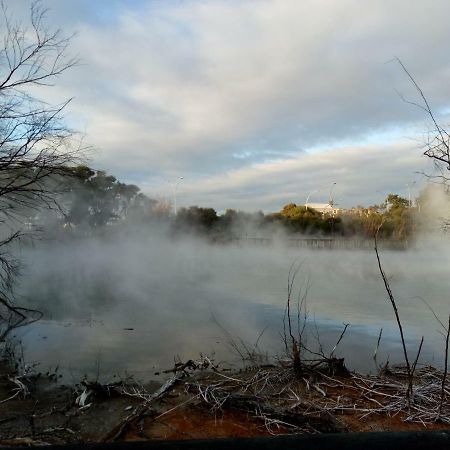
x=325 y=243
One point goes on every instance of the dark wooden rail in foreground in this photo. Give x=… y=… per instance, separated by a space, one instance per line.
x=424 y=440
x=324 y=243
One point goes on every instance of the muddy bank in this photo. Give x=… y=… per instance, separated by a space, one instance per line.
x=199 y=400
x=35 y=408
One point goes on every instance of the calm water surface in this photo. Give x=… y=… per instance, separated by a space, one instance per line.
x=133 y=305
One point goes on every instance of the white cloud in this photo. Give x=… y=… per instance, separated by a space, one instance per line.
x=363 y=174
x=219 y=89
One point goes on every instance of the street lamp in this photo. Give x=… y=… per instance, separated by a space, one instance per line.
x=307 y=198
x=408 y=185
x=330 y=201
x=174 y=185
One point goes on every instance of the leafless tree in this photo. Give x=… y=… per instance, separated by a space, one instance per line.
x=437 y=138
x=36 y=147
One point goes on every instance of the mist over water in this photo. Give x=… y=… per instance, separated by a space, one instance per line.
x=172 y=292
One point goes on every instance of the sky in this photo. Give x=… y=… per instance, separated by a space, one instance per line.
x=255 y=103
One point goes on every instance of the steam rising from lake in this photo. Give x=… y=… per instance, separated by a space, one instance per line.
x=170 y=291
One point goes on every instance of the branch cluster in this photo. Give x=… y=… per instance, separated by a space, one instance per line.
x=35 y=144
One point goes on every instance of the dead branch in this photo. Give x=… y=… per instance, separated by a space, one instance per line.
x=378 y=345
x=444 y=376
x=437 y=143
x=413 y=368
x=295 y=344
x=36 y=147
x=339 y=340
x=142 y=409
x=397 y=316
x=179 y=372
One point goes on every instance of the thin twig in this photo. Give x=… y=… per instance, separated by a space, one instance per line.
x=444 y=377
x=397 y=316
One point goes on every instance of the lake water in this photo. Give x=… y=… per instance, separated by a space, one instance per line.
x=133 y=303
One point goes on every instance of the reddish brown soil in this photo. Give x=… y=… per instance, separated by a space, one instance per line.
x=195 y=420
x=196 y=423
x=49 y=414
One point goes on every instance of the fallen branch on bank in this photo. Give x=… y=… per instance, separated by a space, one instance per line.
x=141 y=409
x=320 y=402
x=180 y=371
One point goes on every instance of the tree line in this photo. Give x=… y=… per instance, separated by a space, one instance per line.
x=95 y=200
x=395 y=219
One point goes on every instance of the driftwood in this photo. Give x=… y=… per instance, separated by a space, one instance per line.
x=143 y=408
x=20 y=388
x=318 y=420
x=278 y=397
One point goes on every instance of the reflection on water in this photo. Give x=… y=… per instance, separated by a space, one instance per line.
x=135 y=304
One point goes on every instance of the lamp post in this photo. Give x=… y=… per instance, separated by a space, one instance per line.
x=307 y=198
x=330 y=201
x=174 y=184
x=408 y=185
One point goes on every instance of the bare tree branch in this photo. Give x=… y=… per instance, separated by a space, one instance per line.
x=437 y=141
x=397 y=316
x=36 y=147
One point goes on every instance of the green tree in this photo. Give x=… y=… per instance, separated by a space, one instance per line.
x=96 y=199
x=196 y=218
x=394 y=201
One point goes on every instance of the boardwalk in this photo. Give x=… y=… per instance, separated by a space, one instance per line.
x=324 y=243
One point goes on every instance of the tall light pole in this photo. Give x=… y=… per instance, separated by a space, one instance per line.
x=408 y=185
x=330 y=201
x=174 y=184
x=307 y=198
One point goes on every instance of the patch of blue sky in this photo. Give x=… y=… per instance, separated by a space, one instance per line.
x=100 y=12
x=444 y=113
x=150 y=181
x=263 y=154
x=108 y=10
x=244 y=154
x=387 y=136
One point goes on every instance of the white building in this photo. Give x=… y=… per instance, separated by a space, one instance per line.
x=324 y=208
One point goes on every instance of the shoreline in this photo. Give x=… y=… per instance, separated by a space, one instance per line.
x=201 y=401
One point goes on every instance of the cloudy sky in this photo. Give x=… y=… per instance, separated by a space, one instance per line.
x=255 y=103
